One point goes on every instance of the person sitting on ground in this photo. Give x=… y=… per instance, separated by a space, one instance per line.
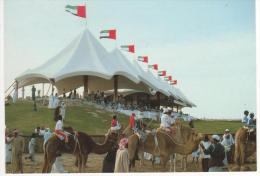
x=217 y=154
x=122 y=158
x=245 y=118
x=115 y=124
x=227 y=142
x=31 y=147
x=251 y=121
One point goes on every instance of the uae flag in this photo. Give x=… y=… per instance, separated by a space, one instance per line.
x=110 y=34
x=76 y=10
x=162 y=73
x=168 y=78
x=143 y=59
x=128 y=48
x=174 y=82
x=154 y=66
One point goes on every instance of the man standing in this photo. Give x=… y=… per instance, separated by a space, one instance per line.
x=33 y=93
x=227 y=142
x=62 y=110
x=17 y=151
x=217 y=154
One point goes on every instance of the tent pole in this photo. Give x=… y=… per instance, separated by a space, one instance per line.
x=85 y=92
x=23 y=92
x=42 y=89
x=16 y=89
x=115 y=87
x=46 y=94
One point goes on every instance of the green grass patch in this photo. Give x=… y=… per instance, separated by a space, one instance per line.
x=89 y=119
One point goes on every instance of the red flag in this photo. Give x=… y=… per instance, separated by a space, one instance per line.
x=143 y=59
x=154 y=66
x=162 y=73
x=76 y=10
x=129 y=48
x=169 y=78
x=111 y=34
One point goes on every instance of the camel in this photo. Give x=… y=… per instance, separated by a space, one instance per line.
x=81 y=148
x=245 y=146
x=185 y=142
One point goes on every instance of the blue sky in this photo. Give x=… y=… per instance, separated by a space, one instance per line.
x=208 y=46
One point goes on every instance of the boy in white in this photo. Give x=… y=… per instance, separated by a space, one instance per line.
x=59 y=130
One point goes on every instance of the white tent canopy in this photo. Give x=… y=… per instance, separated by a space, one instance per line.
x=85 y=56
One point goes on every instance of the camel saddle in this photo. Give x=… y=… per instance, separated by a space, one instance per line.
x=250 y=133
x=174 y=135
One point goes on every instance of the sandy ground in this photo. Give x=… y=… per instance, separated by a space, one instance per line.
x=94 y=164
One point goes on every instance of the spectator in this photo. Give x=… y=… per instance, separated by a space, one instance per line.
x=31 y=148
x=62 y=110
x=217 y=154
x=122 y=159
x=33 y=93
x=205 y=158
x=46 y=135
x=227 y=142
x=8 y=147
x=74 y=94
x=132 y=121
x=42 y=131
x=64 y=93
x=17 y=151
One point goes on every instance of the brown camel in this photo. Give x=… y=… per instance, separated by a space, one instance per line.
x=81 y=149
x=245 y=146
x=185 y=142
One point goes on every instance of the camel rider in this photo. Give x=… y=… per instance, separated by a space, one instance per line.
x=245 y=118
x=227 y=142
x=132 y=121
x=58 y=129
x=251 y=122
x=166 y=120
x=114 y=124
x=217 y=153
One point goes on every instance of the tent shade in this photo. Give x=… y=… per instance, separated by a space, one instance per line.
x=85 y=56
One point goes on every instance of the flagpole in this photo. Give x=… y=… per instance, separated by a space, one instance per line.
x=86 y=12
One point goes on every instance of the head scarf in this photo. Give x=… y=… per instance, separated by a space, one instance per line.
x=122 y=144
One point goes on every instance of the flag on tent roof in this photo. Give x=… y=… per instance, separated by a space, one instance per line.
x=166 y=78
x=111 y=34
x=154 y=66
x=143 y=59
x=128 y=48
x=169 y=78
x=162 y=73
x=173 y=82
x=76 y=10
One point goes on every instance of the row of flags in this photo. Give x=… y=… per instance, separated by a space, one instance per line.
x=80 y=11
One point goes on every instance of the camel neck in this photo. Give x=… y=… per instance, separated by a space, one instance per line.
x=102 y=148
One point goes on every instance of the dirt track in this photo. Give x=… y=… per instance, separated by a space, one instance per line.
x=95 y=164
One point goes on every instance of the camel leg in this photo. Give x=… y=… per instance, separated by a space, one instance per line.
x=50 y=163
x=242 y=155
x=45 y=163
x=80 y=163
x=164 y=160
x=84 y=161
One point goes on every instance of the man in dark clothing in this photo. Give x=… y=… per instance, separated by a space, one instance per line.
x=217 y=154
x=33 y=93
